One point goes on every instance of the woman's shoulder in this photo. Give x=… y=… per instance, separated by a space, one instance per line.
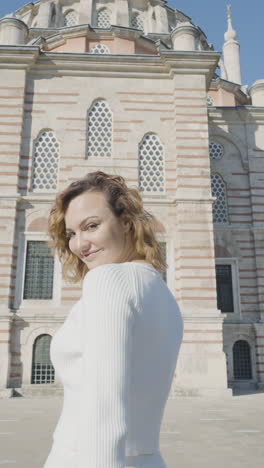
x=106 y=283
x=100 y=270
x=107 y=274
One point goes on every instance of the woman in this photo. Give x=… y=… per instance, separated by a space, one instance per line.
x=116 y=352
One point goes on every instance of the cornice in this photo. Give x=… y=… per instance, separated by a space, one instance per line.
x=203 y=62
x=60 y=38
x=18 y=57
x=10 y=196
x=237 y=115
x=158 y=201
x=164 y=65
x=229 y=86
x=86 y=30
x=33 y=197
x=44 y=198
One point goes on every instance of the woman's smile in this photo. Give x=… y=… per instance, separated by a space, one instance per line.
x=91 y=253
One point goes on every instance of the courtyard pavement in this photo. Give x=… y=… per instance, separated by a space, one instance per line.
x=196 y=432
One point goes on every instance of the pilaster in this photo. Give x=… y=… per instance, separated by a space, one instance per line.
x=202 y=364
x=259 y=330
x=122 y=13
x=5 y=339
x=161 y=19
x=85 y=11
x=12 y=84
x=44 y=14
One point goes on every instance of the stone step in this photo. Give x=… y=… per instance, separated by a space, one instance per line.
x=6 y=392
x=35 y=390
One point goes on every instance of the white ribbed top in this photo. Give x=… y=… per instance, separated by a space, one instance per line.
x=115 y=354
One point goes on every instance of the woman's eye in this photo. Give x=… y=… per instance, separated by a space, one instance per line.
x=69 y=235
x=91 y=226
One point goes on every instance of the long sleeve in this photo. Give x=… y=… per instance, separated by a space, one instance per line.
x=108 y=315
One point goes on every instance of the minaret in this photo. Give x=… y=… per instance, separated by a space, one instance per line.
x=231 y=50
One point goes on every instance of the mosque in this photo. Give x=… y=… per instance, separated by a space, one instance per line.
x=133 y=87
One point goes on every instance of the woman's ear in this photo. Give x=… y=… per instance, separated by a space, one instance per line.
x=126 y=225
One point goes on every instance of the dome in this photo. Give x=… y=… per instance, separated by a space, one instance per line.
x=150 y=18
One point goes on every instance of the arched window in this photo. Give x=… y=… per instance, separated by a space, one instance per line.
x=99 y=130
x=151 y=164
x=99 y=49
x=137 y=21
x=45 y=161
x=220 y=205
x=70 y=18
x=42 y=369
x=242 y=360
x=216 y=150
x=103 y=18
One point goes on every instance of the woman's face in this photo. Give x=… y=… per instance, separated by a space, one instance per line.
x=94 y=233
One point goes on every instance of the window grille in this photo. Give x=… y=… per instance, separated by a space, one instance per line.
x=71 y=18
x=137 y=21
x=100 y=129
x=216 y=150
x=45 y=161
x=42 y=369
x=99 y=49
x=242 y=360
x=209 y=101
x=151 y=164
x=219 y=206
x=163 y=247
x=225 y=301
x=104 y=18
x=38 y=282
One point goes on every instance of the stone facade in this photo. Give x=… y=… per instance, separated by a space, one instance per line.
x=153 y=74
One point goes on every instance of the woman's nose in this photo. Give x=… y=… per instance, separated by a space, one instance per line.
x=81 y=241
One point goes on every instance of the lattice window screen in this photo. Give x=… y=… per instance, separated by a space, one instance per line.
x=45 y=161
x=38 y=282
x=42 y=369
x=220 y=205
x=104 y=18
x=216 y=150
x=71 y=18
x=99 y=49
x=137 y=21
x=100 y=130
x=242 y=360
x=151 y=165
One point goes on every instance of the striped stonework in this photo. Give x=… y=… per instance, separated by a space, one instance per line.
x=162 y=93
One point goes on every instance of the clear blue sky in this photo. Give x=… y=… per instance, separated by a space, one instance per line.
x=210 y=15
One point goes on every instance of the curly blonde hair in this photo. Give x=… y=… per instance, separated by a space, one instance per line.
x=124 y=202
